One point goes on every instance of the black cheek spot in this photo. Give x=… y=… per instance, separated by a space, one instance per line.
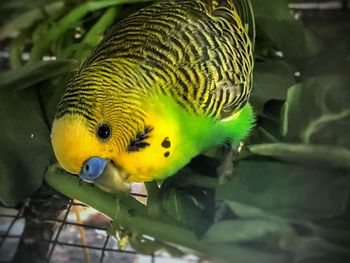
x=166 y=143
x=166 y=154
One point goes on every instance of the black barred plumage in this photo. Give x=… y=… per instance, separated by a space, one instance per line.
x=200 y=52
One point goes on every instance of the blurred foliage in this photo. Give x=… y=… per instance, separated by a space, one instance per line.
x=289 y=198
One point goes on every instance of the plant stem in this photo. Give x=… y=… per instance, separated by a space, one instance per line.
x=42 y=44
x=16 y=49
x=96 y=32
x=107 y=203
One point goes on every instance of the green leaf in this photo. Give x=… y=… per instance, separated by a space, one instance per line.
x=153 y=196
x=28 y=75
x=255 y=225
x=318 y=111
x=271 y=82
x=328 y=156
x=288 y=190
x=245 y=211
x=10 y=9
x=240 y=230
x=42 y=44
x=261 y=135
x=315 y=249
x=25 y=146
x=28 y=18
x=50 y=93
x=336 y=230
x=267 y=130
x=275 y=22
x=303 y=1
x=184 y=208
x=334 y=60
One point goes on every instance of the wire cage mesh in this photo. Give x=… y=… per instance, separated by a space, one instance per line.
x=76 y=233
x=51 y=228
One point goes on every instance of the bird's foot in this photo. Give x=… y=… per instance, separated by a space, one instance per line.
x=225 y=170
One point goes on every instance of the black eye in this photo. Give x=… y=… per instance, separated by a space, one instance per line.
x=104 y=131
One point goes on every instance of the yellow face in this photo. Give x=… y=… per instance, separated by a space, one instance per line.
x=73 y=143
x=153 y=153
x=158 y=158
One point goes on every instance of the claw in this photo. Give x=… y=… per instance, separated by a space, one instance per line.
x=225 y=170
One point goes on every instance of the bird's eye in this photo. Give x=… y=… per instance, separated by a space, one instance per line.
x=103 y=132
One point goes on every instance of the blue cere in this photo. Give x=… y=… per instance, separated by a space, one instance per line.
x=92 y=168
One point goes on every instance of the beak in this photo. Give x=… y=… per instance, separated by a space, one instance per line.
x=105 y=174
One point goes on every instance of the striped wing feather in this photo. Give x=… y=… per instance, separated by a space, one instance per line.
x=198 y=51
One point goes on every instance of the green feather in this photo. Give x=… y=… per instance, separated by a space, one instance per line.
x=199 y=133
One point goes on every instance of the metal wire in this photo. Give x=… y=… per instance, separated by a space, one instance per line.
x=104 y=249
x=58 y=234
x=7 y=233
x=56 y=239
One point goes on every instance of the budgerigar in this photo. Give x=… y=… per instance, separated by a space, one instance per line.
x=166 y=83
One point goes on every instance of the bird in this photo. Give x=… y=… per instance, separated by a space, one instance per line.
x=165 y=84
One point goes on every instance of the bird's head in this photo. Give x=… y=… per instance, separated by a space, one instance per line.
x=86 y=151
x=113 y=138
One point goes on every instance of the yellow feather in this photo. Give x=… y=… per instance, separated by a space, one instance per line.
x=73 y=143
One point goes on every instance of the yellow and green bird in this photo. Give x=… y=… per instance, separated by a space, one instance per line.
x=167 y=83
